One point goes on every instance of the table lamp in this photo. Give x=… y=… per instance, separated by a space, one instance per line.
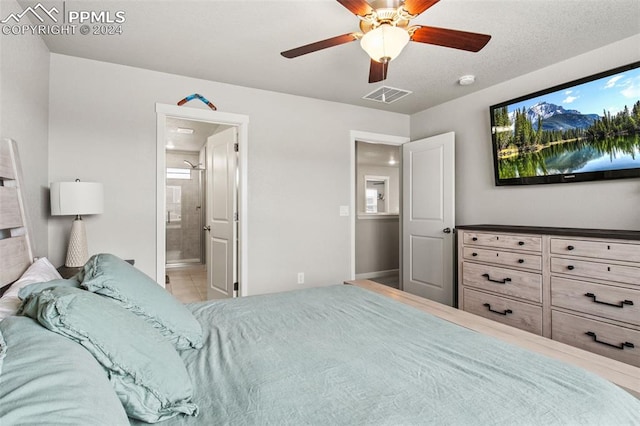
x=75 y=199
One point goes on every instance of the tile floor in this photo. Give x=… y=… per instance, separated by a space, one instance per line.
x=188 y=283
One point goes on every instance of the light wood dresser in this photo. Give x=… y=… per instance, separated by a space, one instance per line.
x=577 y=286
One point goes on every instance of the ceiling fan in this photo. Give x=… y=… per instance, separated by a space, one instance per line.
x=385 y=31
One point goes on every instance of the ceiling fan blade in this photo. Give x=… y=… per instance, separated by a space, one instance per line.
x=416 y=7
x=378 y=71
x=455 y=39
x=357 y=7
x=319 y=45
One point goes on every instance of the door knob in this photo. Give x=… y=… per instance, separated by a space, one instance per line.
x=447 y=230
x=206 y=228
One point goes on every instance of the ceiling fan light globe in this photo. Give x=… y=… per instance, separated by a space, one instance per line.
x=384 y=43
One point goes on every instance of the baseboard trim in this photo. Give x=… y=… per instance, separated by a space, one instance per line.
x=377 y=274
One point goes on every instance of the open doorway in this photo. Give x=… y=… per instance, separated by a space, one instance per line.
x=376 y=202
x=427 y=213
x=378 y=213
x=186 y=193
x=183 y=191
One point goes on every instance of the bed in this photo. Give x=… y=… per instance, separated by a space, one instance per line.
x=110 y=346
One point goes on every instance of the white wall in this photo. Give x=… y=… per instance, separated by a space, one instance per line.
x=377 y=239
x=103 y=128
x=377 y=244
x=24 y=117
x=604 y=204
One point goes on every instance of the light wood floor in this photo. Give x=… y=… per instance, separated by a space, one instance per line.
x=188 y=283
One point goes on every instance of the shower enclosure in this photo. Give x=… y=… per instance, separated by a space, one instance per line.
x=185 y=209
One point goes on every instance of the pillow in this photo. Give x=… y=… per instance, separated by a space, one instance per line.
x=145 y=370
x=27 y=291
x=111 y=276
x=40 y=271
x=3 y=351
x=48 y=379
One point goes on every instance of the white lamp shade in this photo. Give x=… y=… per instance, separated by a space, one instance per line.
x=386 y=41
x=76 y=198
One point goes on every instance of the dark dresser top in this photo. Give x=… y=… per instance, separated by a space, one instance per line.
x=567 y=232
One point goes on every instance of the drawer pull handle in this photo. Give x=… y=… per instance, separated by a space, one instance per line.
x=474 y=254
x=571 y=267
x=620 y=346
x=505 y=312
x=520 y=243
x=474 y=239
x=570 y=247
x=503 y=281
x=520 y=260
x=617 y=305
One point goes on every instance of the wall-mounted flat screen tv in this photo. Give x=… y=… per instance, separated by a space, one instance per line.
x=588 y=129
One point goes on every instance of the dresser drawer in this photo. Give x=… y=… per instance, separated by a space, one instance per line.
x=520 y=260
x=506 y=241
x=612 y=341
x=598 y=270
x=510 y=282
x=596 y=249
x=616 y=303
x=510 y=312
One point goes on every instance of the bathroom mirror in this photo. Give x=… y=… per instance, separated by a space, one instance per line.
x=376 y=192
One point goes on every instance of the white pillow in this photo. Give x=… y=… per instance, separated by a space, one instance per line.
x=40 y=271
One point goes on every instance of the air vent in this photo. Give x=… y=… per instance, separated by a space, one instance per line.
x=387 y=94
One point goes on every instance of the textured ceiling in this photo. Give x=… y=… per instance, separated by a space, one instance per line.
x=239 y=42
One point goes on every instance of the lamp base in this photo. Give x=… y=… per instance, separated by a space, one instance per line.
x=77 y=252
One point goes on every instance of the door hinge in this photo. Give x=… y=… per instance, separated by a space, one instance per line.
x=235 y=286
x=235 y=216
x=236 y=147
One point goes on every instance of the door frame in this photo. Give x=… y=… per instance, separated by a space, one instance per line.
x=368 y=137
x=241 y=122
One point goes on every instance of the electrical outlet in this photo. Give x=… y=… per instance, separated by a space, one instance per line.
x=300 y=277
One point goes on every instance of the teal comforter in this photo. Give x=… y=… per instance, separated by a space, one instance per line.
x=345 y=356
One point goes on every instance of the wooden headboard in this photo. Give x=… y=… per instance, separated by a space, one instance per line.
x=15 y=246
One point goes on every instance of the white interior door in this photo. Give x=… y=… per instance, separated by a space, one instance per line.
x=428 y=217
x=221 y=210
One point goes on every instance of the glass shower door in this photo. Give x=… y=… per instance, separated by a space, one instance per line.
x=183 y=221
